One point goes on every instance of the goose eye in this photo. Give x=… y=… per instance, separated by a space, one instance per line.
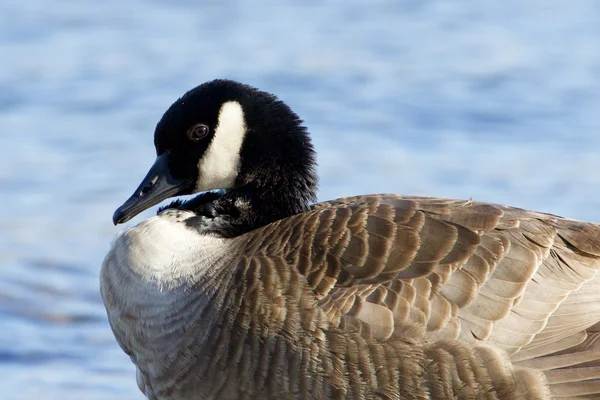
x=198 y=132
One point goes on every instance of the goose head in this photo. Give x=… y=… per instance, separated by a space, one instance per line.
x=229 y=136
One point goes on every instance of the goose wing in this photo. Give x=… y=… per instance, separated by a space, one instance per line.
x=484 y=274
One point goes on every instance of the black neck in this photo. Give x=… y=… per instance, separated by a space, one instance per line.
x=242 y=210
x=271 y=196
x=278 y=197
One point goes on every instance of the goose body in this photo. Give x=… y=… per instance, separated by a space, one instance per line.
x=256 y=292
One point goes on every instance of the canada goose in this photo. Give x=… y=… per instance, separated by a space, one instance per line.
x=256 y=293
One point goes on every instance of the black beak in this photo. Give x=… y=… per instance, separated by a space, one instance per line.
x=156 y=186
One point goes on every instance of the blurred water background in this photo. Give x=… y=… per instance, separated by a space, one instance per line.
x=494 y=100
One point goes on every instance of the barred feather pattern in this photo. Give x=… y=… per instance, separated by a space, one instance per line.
x=368 y=297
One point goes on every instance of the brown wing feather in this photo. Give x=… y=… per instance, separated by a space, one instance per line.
x=515 y=280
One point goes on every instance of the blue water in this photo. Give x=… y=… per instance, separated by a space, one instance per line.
x=494 y=100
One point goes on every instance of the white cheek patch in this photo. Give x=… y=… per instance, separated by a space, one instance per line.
x=219 y=166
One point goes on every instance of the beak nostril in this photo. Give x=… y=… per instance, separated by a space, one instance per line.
x=145 y=190
x=157 y=185
x=149 y=186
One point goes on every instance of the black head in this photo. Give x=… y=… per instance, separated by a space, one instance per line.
x=226 y=135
